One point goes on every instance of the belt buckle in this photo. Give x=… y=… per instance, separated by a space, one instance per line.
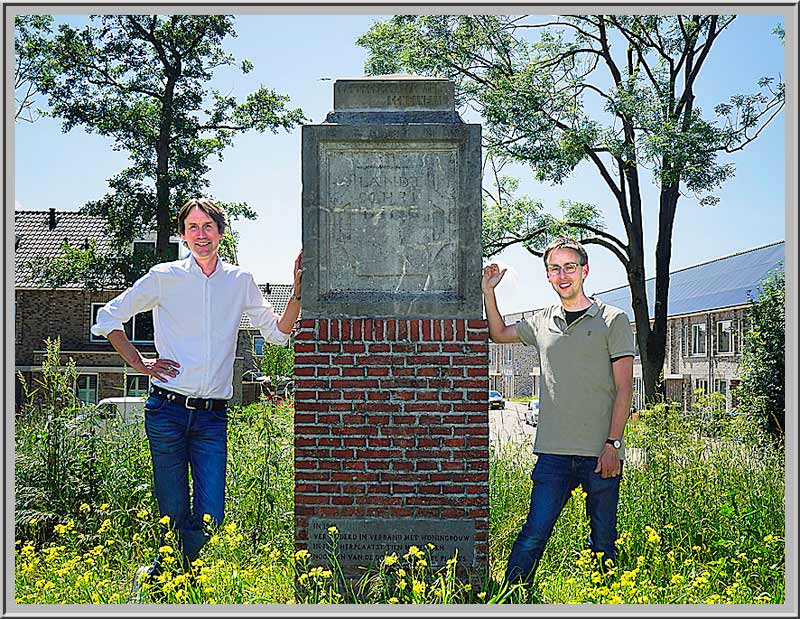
x=189 y=406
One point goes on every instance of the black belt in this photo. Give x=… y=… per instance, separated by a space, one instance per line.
x=190 y=402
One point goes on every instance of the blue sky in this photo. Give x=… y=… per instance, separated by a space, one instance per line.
x=292 y=53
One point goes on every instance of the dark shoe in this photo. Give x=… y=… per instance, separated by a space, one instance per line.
x=142 y=575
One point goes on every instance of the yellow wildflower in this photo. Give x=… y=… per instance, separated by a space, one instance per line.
x=390 y=559
x=84 y=508
x=393 y=600
x=332 y=530
x=164 y=520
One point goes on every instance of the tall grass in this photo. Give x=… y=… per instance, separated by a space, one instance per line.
x=701 y=519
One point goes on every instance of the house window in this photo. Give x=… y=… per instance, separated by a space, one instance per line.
x=491 y=354
x=699 y=339
x=86 y=388
x=701 y=383
x=724 y=337
x=137 y=384
x=509 y=354
x=638 y=392
x=258 y=345
x=142 y=248
x=138 y=329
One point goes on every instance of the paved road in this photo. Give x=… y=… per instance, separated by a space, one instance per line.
x=508 y=424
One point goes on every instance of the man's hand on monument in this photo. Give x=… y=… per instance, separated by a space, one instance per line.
x=298 y=275
x=162 y=369
x=491 y=277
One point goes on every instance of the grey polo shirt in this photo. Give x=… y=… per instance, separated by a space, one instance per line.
x=577 y=382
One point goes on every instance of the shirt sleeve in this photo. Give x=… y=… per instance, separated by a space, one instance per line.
x=262 y=315
x=526 y=332
x=621 y=342
x=140 y=297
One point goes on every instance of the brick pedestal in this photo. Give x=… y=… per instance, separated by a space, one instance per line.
x=391 y=422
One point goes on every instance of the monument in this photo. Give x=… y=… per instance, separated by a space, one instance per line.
x=391 y=422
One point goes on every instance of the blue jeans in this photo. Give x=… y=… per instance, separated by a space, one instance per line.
x=181 y=438
x=554 y=479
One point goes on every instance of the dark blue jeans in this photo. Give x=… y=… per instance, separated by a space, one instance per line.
x=181 y=438
x=554 y=479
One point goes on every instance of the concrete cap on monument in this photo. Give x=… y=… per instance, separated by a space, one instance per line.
x=394 y=93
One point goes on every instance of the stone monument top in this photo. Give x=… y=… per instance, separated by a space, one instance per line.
x=380 y=98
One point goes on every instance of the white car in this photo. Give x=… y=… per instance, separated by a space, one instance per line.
x=532 y=416
x=127 y=412
x=496 y=400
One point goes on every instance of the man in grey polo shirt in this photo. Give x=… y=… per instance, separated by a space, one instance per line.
x=586 y=351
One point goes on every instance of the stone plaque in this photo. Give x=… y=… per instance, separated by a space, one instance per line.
x=389 y=217
x=365 y=541
x=391 y=221
x=380 y=94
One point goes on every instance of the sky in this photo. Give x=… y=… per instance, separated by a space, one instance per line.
x=301 y=56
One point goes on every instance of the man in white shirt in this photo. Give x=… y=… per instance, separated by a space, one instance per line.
x=197 y=305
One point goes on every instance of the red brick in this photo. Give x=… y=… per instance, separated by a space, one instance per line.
x=428 y=407
x=402 y=330
x=460 y=330
x=414 y=330
x=355 y=441
x=378 y=371
x=468 y=360
x=329 y=395
x=477 y=324
x=437 y=330
x=367 y=330
x=382 y=347
x=390 y=329
x=343 y=360
x=329 y=347
x=448 y=330
x=302 y=348
x=311 y=359
x=356 y=331
x=307 y=323
x=345 y=327
x=379 y=329
x=426 y=330
x=402 y=347
x=304 y=335
x=323 y=330
x=480 y=371
x=378 y=395
x=305 y=371
x=352 y=372
x=334 y=329
x=328 y=371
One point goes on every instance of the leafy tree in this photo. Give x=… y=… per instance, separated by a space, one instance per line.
x=617 y=91
x=762 y=391
x=142 y=80
x=30 y=63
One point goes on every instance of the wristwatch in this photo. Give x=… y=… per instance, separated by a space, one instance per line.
x=615 y=442
x=295 y=297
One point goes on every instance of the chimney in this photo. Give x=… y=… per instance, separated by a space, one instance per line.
x=52 y=219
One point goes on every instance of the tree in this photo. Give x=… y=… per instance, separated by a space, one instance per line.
x=617 y=91
x=762 y=391
x=30 y=63
x=142 y=80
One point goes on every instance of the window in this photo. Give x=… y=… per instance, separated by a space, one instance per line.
x=86 y=388
x=509 y=353
x=724 y=337
x=137 y=384
x=138 y=329
x=698 y=339
x=638 y=393
x=701 y=383
x=258 y=345
x=721 y=386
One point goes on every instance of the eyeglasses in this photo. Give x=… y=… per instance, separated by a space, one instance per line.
x=569 y=268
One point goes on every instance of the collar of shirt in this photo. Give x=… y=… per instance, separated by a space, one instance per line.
x=560 y=315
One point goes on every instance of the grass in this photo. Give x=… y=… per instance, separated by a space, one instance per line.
x=701 y=522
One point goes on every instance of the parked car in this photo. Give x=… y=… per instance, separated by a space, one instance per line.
x=119 y=412
x=532 y=416
x=496 y=400
x=283 y=388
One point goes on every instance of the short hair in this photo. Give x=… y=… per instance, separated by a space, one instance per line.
x=208 y=207
x=564 y=242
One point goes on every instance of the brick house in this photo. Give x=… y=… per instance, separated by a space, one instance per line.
x=69 y=312
x=707 y=317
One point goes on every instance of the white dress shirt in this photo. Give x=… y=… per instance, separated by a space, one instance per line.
x=196 y=321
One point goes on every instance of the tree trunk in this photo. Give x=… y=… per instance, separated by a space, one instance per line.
x=163 y=210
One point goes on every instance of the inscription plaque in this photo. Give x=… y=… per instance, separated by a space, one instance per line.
x=364 y=541
x=394 y=94
x=399 y=198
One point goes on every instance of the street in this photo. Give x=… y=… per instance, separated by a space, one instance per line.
x=508 y=424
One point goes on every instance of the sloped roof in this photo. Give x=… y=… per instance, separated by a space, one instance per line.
x=719 y=283
x=277 y=294
x=34 y=237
